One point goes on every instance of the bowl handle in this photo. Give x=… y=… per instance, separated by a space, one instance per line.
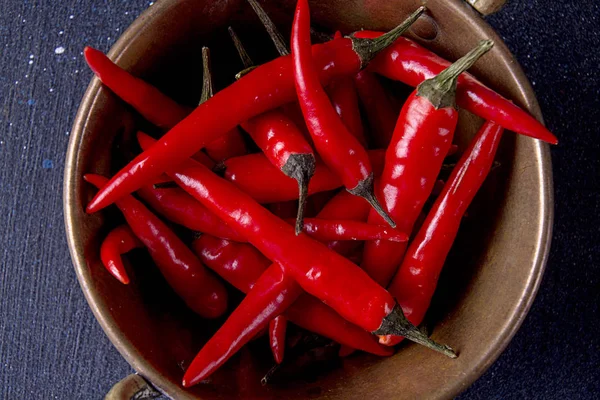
x=486 y=7
x=132 y=387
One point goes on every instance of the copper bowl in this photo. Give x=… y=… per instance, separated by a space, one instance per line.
x=492 y=273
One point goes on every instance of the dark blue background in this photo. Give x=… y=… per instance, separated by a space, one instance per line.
x=50 y=345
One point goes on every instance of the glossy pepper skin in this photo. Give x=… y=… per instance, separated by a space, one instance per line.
x=197 y=286
x=241 y=265
x=269 y=297
x=256 y=176
x=285 y=147
x=416 y=280
x=421 y=140
x=179 y=207
x=408 y=62
x=338 y=148
x=265 y=88
x=119 y=241
x=380 y=111
x=344 y=100
x=319 y=271
x=277 y=330
x=329 y=229
x=154 y=105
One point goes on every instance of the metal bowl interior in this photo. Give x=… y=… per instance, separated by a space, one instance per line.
x=491 y=275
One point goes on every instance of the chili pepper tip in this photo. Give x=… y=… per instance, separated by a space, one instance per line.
x=367 y=49
x=396 y=324
x=365 y=190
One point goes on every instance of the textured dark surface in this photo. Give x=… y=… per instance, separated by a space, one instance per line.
x=52 y=348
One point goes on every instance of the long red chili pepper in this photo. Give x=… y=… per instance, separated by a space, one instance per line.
x=119 y=241
x=256 y=176
x=198 y=287
x=285 y=147
x=408 y=62
x=379 y=109
x=318 y=270
x=179 y=207
x=340 y=150
x=343 y=97
x=265 y=88
x=272 y=294
x=416 y=280
x=241 y=265
x=154 y=106
x=330 y=229
x=421 y=140
x=230 y=144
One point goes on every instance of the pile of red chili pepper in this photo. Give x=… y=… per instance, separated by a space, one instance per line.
x=347 y=271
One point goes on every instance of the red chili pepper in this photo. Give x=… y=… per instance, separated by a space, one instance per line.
x=154 y=106
x=230 y=144
x=277 y=329
x=265 y=88
x=316 y=202
x=271 y=295
x=241 y=265
x=199 y=288
x=328 y=229
x=340 y=150
x=416 y=280
x=318 y=270
x=285 y=147
x=421 y=140
x=344 y=99
x=179 y=207
x=256 y=176
x=118 y=242
x=380 y=111
x=408 y=62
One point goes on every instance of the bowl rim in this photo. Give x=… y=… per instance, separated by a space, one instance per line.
x=136 y=359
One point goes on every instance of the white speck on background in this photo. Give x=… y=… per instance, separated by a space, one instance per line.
x=31 y=56
x=59 y=50
x=30 y=62
x=26 y=75
x=71 y=16
x=151 y=3
x=16 y=82
x=67 y=133
x=24 y=21
x=61 y=32
x=51 y=90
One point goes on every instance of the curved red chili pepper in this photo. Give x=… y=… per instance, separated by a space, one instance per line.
x=119 y=241
x=408 y=62
x=285 y=147
x=318 y=270
x=256 y=176
x=271 y=295
x=198 y=287
x=339 y=149
x=380 y=111
x=329 y=229
x=179 y=207
x=277 y=329
x=265 y=88
x=154 y=106
x=421 y=140
x=151 y=103
x=416 y=280
x=241 y=265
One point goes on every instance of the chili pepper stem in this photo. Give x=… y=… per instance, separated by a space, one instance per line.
x=365 y=189
x=207 y=86
x=272 y=30
x=441 y=90
x=395 y=323
x=367 y=49
x=246 y=60
x=300 y=167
